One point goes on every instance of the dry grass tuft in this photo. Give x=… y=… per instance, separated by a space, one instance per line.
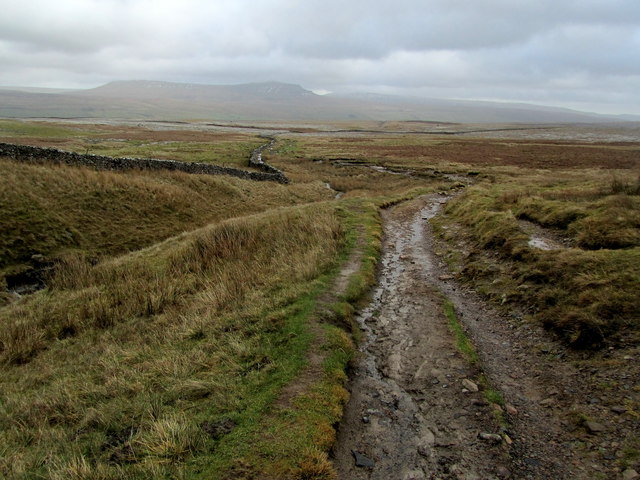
x=209 y=322
x=586 y=294
x=54 y=211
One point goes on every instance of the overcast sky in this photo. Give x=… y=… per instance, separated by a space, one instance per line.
x=582 y=54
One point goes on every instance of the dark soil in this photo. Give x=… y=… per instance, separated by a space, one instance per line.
x=410 y=415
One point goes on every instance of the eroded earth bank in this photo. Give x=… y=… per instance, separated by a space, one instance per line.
x=418 y=407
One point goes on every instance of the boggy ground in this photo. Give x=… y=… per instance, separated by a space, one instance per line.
x=410 y=415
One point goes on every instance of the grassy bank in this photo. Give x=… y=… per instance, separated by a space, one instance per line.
x=293 y=438
x=183 y=347
x=584 y=289
x=57 y=210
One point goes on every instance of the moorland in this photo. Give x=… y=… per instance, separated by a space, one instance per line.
x=166 y=325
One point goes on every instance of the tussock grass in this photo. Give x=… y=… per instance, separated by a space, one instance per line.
x=99 y=372
x=54 y=210
x=620 y=186
x=586 y=294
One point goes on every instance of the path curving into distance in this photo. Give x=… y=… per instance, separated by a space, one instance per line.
x=415 y=410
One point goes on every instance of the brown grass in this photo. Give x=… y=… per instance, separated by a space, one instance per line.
x=439 y=152
x=51 y=210
x=208 y=322
x=586 y=294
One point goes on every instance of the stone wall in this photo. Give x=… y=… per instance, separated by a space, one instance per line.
x=29 y=154
x=256 y=158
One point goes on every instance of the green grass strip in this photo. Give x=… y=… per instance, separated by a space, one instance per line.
x=462 y=340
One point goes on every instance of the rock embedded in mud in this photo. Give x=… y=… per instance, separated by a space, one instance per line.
x=446 y=442
x=594 y=427
x=511 y=410
x=428 y=438
x=490 y=437
x=414 y=475
x=469 y=385
x=503 y=472
x=619 y=409
x=362 y=460
x=547 y=402
x=630 y=474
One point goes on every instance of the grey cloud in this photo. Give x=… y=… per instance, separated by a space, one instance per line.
x=548 y=50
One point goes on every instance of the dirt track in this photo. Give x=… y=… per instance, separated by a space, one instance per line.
x=410 y=415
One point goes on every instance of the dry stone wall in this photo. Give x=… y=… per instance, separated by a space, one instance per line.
x=39 y=155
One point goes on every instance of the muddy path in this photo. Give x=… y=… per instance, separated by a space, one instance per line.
x=414 y=412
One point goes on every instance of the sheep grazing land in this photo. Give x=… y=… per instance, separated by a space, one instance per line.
x=418 y=301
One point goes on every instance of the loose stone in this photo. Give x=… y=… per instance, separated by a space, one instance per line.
x=469 y=385
x=547 y=402
x=619 y=409
x=362 y=460
x=490 y=437
x=630 y=474
x=594 y=427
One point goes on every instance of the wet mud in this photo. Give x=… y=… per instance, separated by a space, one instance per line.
x=410 y=416
x=414 y=412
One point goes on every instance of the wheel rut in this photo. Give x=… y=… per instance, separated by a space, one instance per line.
x=409 y=416
x=413 y=412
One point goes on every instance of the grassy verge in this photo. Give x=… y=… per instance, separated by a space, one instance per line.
x=183 y=347
x=365 y=226
x=290 y=441
x=585 y=292
x=293 y=439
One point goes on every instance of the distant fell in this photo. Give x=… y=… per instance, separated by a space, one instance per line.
x=167 y=90
x=267 y=101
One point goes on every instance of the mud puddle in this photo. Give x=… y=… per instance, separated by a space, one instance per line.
x=543 y=239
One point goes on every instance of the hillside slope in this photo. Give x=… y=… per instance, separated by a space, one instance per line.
x=270 y=101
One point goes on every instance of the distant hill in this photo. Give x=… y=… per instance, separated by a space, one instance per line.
x=267 y=101
x=195 y=92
